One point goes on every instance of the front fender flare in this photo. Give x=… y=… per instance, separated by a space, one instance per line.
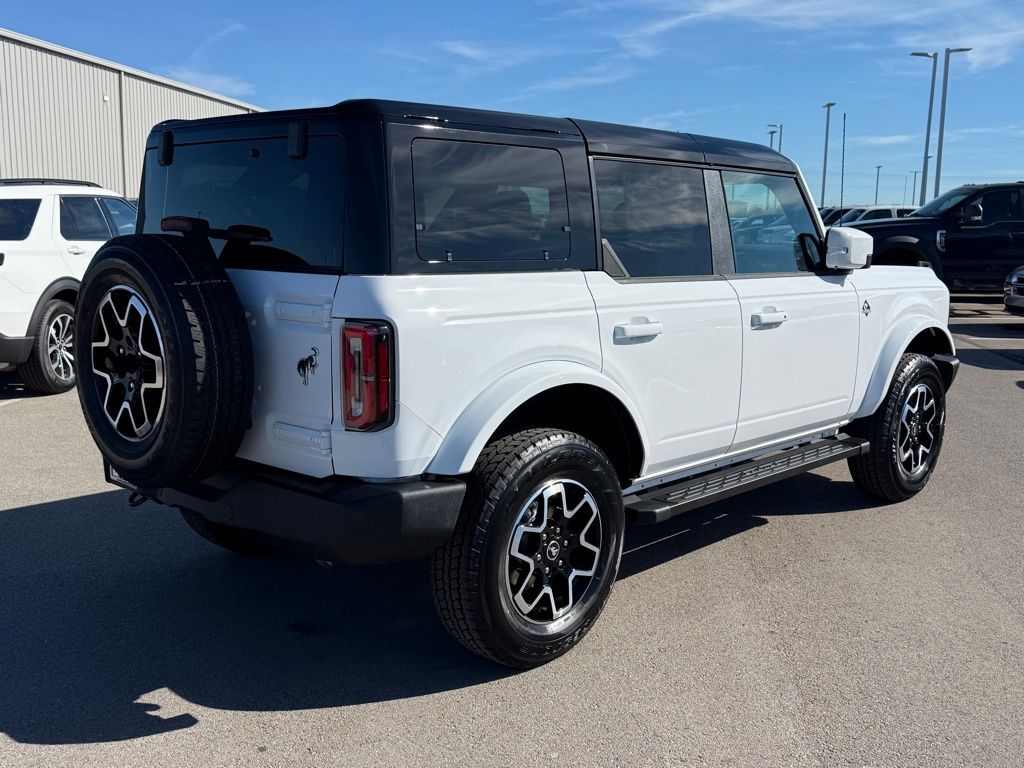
x=893 y=347
x=467 y=437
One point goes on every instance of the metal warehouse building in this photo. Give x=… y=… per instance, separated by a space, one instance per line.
x=69 y=115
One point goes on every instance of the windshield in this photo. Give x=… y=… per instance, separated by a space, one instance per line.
x=944 y=202
x=16 y=217
x=852 y=215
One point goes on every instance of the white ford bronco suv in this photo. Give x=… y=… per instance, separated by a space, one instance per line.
x=49 y=231
x=384 y=330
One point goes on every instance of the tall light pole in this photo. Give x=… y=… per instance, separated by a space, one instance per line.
x=928 y=131
x=942 y=114
x=878 y=175
x=779 y=129
x=824 y=166
x=771 y=139
x=913 y=192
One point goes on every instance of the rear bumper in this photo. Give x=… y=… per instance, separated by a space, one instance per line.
x=15 y=349
x=341 y=519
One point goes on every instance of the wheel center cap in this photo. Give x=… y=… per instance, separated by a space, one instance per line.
x=553 y=550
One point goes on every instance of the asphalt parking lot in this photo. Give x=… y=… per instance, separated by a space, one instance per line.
x=800 y=625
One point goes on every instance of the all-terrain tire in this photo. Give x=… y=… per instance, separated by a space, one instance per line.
x=471 y=592
x=50 y=372
x=883 y=472
x=196 y=325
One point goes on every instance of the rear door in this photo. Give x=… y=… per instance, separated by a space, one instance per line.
x=669 y=324
x=286 y=284
x=82 y=227
x=28 y=259
x=800 y=328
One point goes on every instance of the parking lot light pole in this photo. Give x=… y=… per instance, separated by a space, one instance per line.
x=779 y=129
x=913 y=192
x=878 y=175
x=771 y=139
x=824 y=165
x=942 y=114
x=928 y=131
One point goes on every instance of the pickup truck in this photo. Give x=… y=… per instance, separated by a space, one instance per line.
x=386 y=330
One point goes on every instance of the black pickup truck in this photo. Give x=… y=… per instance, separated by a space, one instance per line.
x=972 y=236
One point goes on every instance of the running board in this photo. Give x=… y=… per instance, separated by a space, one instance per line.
x=665 y=502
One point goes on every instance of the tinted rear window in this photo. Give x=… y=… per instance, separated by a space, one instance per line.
x=256 y=183
x=489 y=202
x=16 y=217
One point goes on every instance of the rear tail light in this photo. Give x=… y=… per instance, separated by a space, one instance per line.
x=367 y=390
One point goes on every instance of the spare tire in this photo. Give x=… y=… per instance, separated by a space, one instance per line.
x=165 y=372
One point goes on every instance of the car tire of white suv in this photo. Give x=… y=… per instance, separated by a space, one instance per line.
x=906 y=433
x=50 y=368
x=165 y=373
x=536 y=550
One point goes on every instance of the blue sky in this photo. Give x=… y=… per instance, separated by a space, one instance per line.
x=720 y=67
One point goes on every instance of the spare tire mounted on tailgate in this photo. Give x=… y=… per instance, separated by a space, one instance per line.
x=164 y=358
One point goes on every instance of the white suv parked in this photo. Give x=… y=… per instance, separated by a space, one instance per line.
x=49 y=231
x=384 y=330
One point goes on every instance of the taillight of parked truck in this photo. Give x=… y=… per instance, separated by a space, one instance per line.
x=367 y=392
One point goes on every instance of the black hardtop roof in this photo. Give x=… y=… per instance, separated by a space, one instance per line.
x=600 y=138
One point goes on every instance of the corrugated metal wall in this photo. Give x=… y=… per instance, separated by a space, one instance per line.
x=61 y=116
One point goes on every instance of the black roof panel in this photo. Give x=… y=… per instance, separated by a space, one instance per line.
x=612 y=139
x=409 y=109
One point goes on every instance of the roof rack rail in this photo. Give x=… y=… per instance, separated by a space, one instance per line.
x=63 y=182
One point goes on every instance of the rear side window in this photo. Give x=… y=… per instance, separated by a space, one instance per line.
x=16 y=218
x=489 y=202
x=82 y=219
x=122 y=215
x=256 y=183
x=877 y=214
x=767 y=214
x=1001 y=205
x=654 y=217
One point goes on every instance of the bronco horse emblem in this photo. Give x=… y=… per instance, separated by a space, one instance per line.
x=307 y=366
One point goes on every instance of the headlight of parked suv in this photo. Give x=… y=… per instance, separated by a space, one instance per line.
x=940 y=240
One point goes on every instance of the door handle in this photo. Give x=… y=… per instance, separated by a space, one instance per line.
x=638 y=330
x=1017 y=235
x=767 y=317
x=74 y=250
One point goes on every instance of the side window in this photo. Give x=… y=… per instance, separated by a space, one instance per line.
x=1001 y=205
x=655 y=217
x=767 y=214
x=121 y=214
x=489 y=202
x=16 y=218
x=81 y=219
x=877 y=214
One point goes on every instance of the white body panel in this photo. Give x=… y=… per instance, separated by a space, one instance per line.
x=798 y=372
x=685 y=380
x=31 y=265
x=708 y=389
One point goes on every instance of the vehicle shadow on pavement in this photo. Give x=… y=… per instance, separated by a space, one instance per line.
x=102 y=605
x=992 y=359
x=11 y=387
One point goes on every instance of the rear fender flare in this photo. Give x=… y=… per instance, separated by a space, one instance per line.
x=467 y=437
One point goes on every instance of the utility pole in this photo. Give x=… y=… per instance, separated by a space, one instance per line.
x=928 y=131
x=824 y=165
x=878 y=175
x=942 y=115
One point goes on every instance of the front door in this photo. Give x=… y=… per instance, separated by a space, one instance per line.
x=669 y=326
x=800 y=328
x=982 y=255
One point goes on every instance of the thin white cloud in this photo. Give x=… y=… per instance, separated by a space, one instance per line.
x=227 y=85
x=602 y=74
x=886 y=141
x=493 y=56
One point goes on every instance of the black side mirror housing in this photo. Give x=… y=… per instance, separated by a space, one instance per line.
x=972 y=215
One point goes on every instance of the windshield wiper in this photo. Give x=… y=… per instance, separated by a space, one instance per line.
x=196 y=227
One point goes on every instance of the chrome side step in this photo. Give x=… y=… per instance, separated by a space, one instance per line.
x=665 y=502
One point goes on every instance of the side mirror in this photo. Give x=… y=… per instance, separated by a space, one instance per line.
x=847 y=248
x=973 y=215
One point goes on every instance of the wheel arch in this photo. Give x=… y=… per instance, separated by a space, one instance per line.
x=913 y=334
x=560 y=395
x=64 y=288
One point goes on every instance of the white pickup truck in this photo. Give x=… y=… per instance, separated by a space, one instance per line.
x=386 y=330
